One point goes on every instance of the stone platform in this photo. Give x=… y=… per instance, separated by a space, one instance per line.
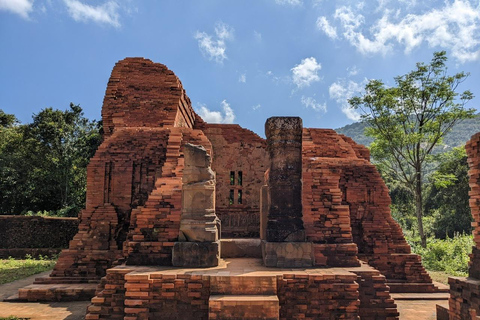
x=242 y=286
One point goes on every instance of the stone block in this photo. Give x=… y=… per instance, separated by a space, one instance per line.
x=196 y=254
x=288 y=254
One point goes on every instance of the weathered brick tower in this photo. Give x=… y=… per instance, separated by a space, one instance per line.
x=164 y=187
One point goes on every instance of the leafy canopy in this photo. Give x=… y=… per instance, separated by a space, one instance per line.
x=410 y=118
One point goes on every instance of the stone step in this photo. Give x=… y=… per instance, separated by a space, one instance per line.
x=251 y=307
x=241 y=248
x=398 y=287
x=243 y=285
x=57 y=292
x=421 y=296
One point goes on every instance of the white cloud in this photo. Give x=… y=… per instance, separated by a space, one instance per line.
x=289 y=2
x=305 y=73
x=258 y=36
x=310 y=102
x=20 y=7
x=256 y=107
x=214 y=47
x=353 y=71
x=209 y=116
x=325 y=26
x=455 y=27
x=242 y=78
x=106 y=13
x=341 y=91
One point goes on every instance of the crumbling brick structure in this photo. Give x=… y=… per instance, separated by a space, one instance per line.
x=464 y=302
x=134 y=209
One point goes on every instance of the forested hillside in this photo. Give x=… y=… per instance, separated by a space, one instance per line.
x=460 y=134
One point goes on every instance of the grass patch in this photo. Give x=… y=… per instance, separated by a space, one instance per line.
x=439 y=276
x=13 y=318
x=13 y=269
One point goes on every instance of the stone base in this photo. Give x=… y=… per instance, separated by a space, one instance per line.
x=288 y=254
x=196 y=254
x=139 y=293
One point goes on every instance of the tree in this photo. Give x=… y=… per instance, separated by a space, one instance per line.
x=447 y=195
x=44 y=162
x=408 y=120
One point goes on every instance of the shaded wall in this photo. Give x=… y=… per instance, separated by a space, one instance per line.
x=21 y=235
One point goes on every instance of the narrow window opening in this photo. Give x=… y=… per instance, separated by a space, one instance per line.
x=230 y=201
x=240 y=178
x=239 y=196
x=232 y=178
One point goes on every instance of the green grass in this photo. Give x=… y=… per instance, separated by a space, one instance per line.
x=13 y=269
x=439 y=276
x=13 y=318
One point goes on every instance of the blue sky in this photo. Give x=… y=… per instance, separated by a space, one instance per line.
x=239 y=61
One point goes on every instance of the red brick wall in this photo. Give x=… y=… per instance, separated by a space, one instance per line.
x=237 y=149
x=345 y=198
x=141 y=93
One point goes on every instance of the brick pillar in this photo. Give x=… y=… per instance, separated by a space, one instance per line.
x=284 y=145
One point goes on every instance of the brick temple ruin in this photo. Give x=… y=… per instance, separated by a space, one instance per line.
x=190 y=220
x=464 y=302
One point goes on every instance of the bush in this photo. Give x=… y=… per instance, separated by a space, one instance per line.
x=450 y=255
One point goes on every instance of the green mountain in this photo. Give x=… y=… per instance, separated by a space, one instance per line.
x=459 y=135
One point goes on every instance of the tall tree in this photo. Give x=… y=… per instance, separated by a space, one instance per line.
x=409 y=119
x=44 y=162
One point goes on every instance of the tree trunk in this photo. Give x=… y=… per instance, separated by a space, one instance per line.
x=419 y=207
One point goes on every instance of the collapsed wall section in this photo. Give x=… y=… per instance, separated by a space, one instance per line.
x=120 y=177
x=345 y=199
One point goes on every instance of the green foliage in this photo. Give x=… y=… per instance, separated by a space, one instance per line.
x=13 y=269
x=447 y=195
x=450 y=255
x=43 y=164
x=409 y=119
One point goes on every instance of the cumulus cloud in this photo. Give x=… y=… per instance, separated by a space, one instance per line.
x=310 y=102
x=242 y=78
x=289 y=2
x=106 y=13
x=228 y=116
x=214 y=47
x=326 y=27
x=455 y=27
x=256 y=107
x=341 y=91
x=306 y=72
x=20 y=7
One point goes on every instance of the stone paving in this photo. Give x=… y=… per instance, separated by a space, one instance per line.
x=38 y=311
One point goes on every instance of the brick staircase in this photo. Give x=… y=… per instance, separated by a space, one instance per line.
x=243 y=297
